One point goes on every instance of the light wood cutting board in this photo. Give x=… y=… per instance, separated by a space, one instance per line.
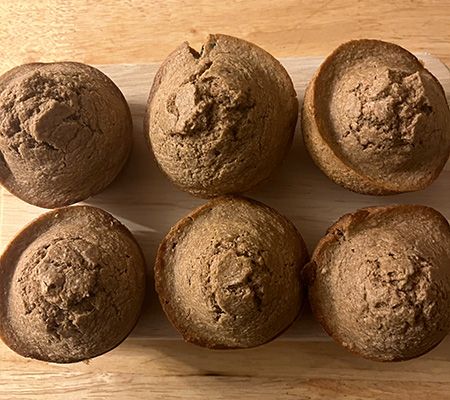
x=148 y=204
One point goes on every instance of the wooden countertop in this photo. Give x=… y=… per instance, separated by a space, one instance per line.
x=105 y=32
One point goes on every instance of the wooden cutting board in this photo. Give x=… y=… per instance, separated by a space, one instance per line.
x=148 y=204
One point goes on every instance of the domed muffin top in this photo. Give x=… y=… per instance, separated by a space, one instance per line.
x=228 y=274
x=379 y=281
x=220 y=121
x=383 y=117
x=65 y=132
x=72 y=286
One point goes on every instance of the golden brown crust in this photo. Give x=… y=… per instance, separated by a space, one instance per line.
x=325 y=158
x=166 y=298
x=213 y=132
x=60 y=142
x=153 y=90
x=343 y=230
x=28 y=343
x=327 y=152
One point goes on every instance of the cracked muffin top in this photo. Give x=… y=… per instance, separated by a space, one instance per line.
x=379 y=281
x=72 y=286
x=221 y=120
x=375 y=120
x=228 y=274
x=65 y=132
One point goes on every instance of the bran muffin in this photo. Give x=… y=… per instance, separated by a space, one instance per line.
x=379 y=281
x=72 y=286
x=375 y=120
x=221 y=120
x=228 y=274
x=65 y=132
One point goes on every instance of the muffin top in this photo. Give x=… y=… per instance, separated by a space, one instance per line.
x=72 y=286
x=384 y=116
x=221 y=120
x=228 y=274
x=379 y=281
x=65 y=132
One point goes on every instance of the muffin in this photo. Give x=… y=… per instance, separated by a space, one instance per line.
x=65 y=132
x=221 y=120
x=228 y=274
x=379 y=281
x=72 y=285
x=375 y=120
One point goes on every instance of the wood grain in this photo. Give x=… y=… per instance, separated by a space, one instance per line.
x=143 y=31
x=137 y=31
x=145 y=201
x=303 y=362
x=140 y=369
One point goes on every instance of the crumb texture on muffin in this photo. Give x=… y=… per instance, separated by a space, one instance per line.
x=380 y=281
x=219 y=121
x=65 y=132
x=383 y=117
x=228 y=275
x=73 y=285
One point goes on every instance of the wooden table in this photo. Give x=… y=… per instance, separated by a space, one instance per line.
x=99 y=32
